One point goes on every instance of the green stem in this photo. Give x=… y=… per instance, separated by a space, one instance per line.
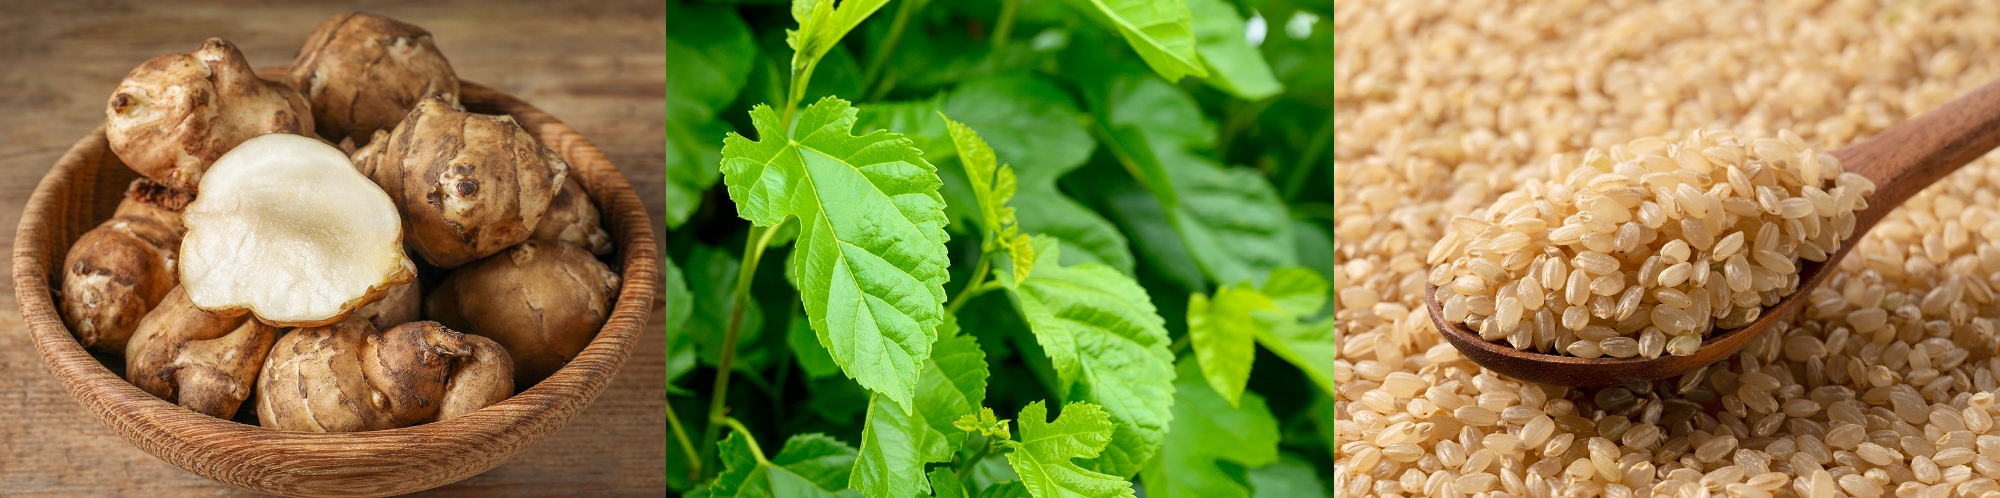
x=1179 y=345
x=1296 y=178
x=971 y=286
x=888 y=46
x=801 y=77
x=975 y=292
x=973 y=461
x=687 y=447
x=1005 y=25
x=753 y=252
x=755 y=450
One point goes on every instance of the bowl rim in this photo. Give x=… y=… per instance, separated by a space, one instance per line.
x=504 y=429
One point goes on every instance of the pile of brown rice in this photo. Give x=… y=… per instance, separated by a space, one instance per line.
x=1881 y=386
x=1646 y=249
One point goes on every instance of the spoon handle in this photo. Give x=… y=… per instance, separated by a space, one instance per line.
x=1913 y=155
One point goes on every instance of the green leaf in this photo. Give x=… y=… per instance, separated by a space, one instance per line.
x=1033 y=126
x=1223 y=334
x=818 y=458
x=993 y=473
x=1221 y=328
x=1298 y=292
x=1230 y=220
x=1323 y=417
x=1238 y=68
x=953 y=383
x=895 y=445
x=1124 y=201
x=821 y=26
x=1310 y=346
x=1208 y=429
x=984 y=423
x=706 y=69
x=740 y=462
x=993 y=185
x=1009 y=489
x=1290 y=477
x=1107 y=344
x=678 y=305
x=812 y=357
x=870 y=253
x=1044 y=455
x=837 y=400
x=944 y=483
x=691 y=156
x=1158 y=29
x=745 y=473
x=705 y=48
x=1031 y=123
x=1315 y=247
x=714 y=273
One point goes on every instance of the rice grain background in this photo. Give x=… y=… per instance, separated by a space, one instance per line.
x=1882 y=386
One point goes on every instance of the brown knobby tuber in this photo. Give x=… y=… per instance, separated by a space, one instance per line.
x=347 y=377
x=468 y=185
x=205 y=362
x=176 y=114
x=286 y=229
x=483 y=378
x=363 y=72
x=544 y=300
x=117 y=272
x=572 y=218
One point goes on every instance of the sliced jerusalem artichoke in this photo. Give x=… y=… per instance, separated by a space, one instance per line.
x=572 y=218
x=543 y=300
x=117 y=272
x=176 y=114
x=201 y=361
x=468 y=185
x=346 y=377
x=363 y=72
x=286 y=229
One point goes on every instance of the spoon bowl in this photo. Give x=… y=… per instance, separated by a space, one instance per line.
x=1901 y=162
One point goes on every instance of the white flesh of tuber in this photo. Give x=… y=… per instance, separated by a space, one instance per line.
x=286 y=229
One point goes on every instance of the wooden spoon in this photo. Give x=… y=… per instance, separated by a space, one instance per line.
x=1901 y=162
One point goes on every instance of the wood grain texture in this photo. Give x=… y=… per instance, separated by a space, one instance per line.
x=1900 y=161
x=596 y=65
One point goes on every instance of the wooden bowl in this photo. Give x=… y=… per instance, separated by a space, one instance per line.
x=85 y=186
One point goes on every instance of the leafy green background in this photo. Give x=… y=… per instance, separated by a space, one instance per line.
x=1168 y=330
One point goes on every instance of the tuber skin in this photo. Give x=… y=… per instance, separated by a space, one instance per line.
x=363 y=72
x=399 y=305
x=175 y=114
x=483 y=378
x=204 y=362
x=543 y=300
x=119 y=271
x=346 y=377
x=572 y=218
x=468 y=185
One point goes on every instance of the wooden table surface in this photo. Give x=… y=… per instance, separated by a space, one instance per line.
x=597 y=65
